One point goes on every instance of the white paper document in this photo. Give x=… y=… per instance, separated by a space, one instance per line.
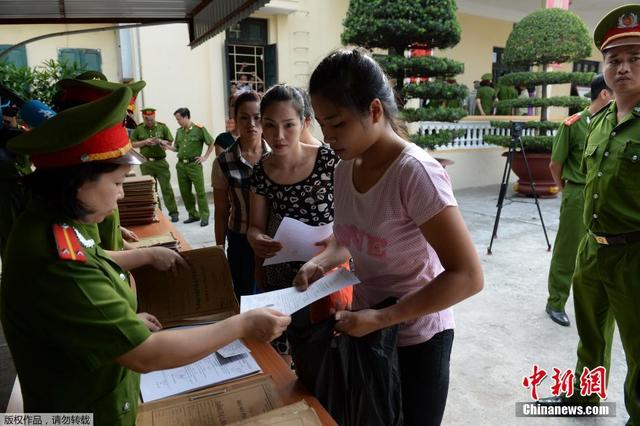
x=234 y=348
x=290 y=300
x=298 y=241
x=210 y=370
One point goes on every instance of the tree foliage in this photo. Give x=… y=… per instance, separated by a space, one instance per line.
x=546 y=36
x=400 y=23
x=538 y=78
x=38 y=82
x=543 y=37
x=430 y=66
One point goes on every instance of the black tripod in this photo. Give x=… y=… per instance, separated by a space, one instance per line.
x=516 y=142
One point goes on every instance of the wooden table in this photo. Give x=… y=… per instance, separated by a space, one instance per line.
x=286 y=382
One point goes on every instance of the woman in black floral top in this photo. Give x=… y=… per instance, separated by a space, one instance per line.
x=294 y=180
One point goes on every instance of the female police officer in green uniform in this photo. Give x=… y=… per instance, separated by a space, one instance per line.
x=68 y=314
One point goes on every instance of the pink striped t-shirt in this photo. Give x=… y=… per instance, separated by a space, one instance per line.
x=380 y=228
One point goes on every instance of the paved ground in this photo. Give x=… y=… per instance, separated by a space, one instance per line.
x=504 y=330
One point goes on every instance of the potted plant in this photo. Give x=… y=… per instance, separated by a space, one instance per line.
x=535 y=40
x=418 y=26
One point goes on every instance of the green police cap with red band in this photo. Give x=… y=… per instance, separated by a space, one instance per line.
x=89 y=132
x=620 y=27
x=88 y=87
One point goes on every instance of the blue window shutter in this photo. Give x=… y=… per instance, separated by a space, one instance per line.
x=18 y=56
x=92 y=59
x=68 y=55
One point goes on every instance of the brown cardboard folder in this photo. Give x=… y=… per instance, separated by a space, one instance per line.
x=204 y=291
x=219 y=405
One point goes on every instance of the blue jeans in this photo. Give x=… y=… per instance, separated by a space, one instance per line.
x=242 y=264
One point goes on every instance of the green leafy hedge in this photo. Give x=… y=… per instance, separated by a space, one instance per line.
x=435 y=90
x=539 y=78
x=546 y=36
x=434 y=140
x=431 y=66
x=559 y=101
x=531 y=143
x=432 y=114
x=542 y=125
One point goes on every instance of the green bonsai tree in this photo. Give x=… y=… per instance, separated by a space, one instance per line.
x=535 y=40
x=397 y=25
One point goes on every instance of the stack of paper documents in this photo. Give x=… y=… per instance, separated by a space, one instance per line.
x=138 y=207
x=209 y=371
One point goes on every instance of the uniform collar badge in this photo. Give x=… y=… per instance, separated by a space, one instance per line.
x=628 y=20
x=86 y=242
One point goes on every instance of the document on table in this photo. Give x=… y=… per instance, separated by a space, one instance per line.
x=290 y=300
x=234 y=348
x=210 y=370
x=298 y=241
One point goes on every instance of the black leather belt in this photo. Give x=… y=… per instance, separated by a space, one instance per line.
x=616 y=240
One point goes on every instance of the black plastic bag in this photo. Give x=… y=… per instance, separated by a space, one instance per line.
x=357 y=379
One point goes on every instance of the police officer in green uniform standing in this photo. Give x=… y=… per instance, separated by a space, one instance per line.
x=154 y=138
x=189 y=140
x=607 y=278
x=79 y=345
x=566 y=157
x=485 y=96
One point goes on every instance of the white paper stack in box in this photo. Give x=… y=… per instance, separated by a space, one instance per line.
x=138 y=207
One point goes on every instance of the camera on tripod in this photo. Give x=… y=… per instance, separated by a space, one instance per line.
x=516 y=129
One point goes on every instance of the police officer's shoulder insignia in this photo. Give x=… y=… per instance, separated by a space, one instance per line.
x=574 y=118
x=68 y=244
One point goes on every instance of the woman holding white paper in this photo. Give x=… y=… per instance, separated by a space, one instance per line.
x=295 y=180
x=397 y=216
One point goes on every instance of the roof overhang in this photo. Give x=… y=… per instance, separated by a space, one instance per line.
x=205 y=18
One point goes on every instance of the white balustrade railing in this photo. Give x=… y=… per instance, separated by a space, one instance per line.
x=473 y=137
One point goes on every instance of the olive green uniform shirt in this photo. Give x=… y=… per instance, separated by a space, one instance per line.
x=160 y=131
x=504 y=93
x=189 y=141
x=568 y=146
x=612 y=164
x=67 y=321
x=486 y=94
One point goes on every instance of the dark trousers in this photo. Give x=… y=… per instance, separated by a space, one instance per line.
x=424 y=371
x=241 y=263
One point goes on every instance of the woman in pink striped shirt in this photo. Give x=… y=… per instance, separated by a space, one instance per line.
x=396 y=216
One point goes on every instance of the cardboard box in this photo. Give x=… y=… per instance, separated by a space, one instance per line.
x=219 y=405
x=202 y=292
